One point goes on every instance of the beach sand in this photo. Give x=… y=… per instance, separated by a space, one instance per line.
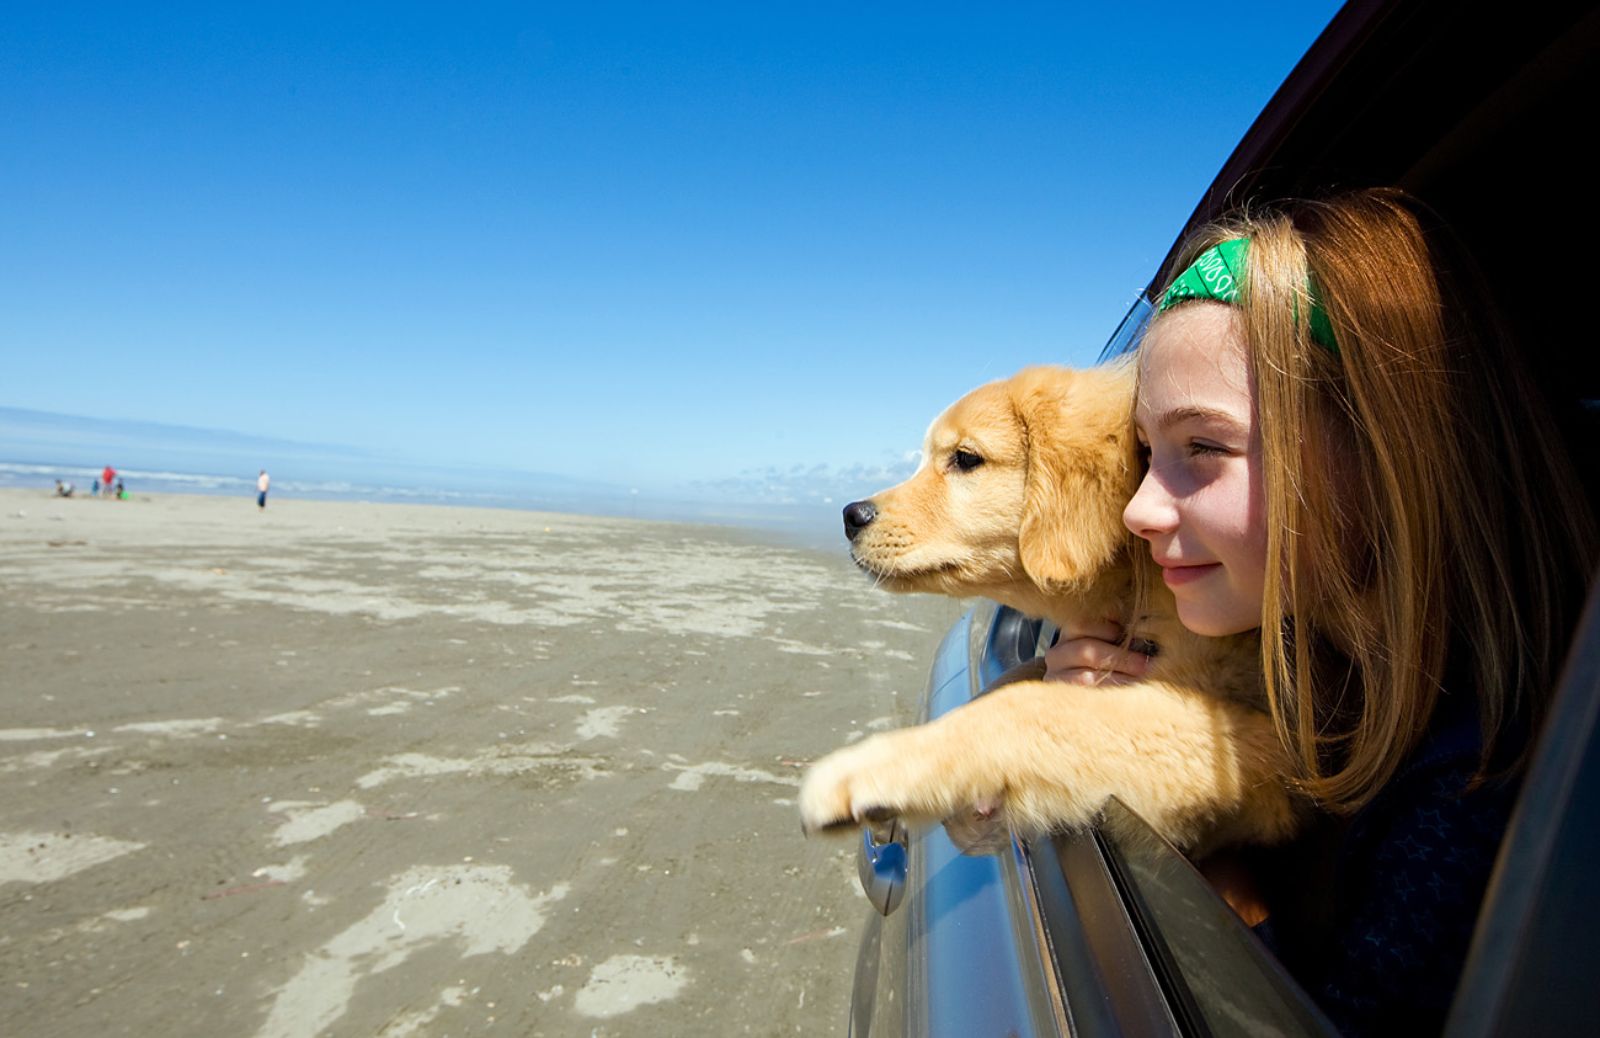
x=363 y=769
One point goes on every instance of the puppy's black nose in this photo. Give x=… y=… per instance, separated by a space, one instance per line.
x=857 y=515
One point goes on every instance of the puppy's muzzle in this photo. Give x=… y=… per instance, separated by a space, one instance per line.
x=858 y=515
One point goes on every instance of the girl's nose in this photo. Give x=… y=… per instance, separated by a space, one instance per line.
x=1151 y=513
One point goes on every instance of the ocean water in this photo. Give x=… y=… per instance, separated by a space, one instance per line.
x=806 y=523
x=42 y=475
x=37 y=448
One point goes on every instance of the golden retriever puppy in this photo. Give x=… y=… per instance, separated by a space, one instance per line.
x=1019 y=498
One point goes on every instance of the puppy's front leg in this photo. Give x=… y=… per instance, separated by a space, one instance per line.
x=1200 y=770
x=918 y=774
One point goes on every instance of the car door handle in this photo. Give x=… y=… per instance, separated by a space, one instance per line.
x=882 y=864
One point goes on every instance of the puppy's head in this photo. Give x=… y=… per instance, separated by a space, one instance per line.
x=1022 y=485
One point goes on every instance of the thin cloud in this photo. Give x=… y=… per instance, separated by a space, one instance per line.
x=819 y=483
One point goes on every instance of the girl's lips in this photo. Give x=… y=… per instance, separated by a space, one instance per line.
x=1177 y=576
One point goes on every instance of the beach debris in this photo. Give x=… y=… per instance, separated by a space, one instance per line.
x=421 y=888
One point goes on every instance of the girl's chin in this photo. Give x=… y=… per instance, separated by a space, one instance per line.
x=1217 y=623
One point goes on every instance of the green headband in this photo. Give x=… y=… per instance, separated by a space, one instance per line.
x=1218 y=273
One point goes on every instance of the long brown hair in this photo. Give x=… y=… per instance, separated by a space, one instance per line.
x=1424 y=527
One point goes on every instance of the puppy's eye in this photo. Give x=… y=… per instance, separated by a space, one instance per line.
x=966 y=460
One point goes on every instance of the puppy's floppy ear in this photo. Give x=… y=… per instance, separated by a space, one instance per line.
x=1079 y=429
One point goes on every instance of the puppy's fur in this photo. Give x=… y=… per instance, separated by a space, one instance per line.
x=1036 y=524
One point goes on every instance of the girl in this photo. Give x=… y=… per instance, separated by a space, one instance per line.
x=1344 y=453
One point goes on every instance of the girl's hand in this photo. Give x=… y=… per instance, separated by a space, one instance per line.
x=1093 y=655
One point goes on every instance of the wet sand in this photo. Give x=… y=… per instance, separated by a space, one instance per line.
x=359 y=769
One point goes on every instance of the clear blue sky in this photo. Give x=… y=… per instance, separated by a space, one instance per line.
x=646 y=243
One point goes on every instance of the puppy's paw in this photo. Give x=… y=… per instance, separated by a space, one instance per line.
x=832 y=795
x=894 y=775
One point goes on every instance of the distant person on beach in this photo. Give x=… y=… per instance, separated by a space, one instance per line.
x=106 y=476
x=262 y=483
x=94 y=488
x=122 y=493
x=63 y=489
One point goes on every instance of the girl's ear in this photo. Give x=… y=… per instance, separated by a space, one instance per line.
x=1079 y=478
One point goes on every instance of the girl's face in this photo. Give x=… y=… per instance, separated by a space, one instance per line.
x=1201 y=505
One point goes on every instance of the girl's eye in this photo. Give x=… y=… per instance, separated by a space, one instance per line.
x=1200 y=448
x=966 y=460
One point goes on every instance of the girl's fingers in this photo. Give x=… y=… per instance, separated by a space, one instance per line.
x=1092 y=661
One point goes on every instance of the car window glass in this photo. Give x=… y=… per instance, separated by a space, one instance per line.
x=1126 y=337
x=1215 y=970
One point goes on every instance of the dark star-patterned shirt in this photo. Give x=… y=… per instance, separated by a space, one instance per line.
x=1402 y=890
